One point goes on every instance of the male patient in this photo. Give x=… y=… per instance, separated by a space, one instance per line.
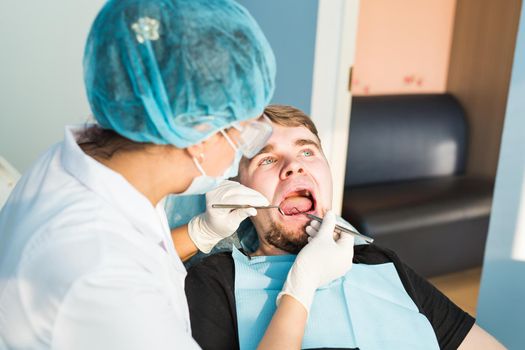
x=379 y=304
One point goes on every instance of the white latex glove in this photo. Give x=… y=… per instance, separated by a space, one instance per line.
x=321 y=261
x=313 y=228
x=208 y=228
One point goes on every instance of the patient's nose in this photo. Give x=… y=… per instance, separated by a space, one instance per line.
x=292 y=167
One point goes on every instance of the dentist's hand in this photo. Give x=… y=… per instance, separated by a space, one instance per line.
x=320 y=262
x=208 y=228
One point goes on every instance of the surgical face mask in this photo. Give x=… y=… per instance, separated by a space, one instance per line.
x=204 y=183
x=233 y=169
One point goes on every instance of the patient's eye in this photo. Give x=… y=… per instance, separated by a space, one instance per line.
x=307 y=152
x=267 y=161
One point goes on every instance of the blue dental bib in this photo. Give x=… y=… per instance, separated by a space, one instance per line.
x=368 y=308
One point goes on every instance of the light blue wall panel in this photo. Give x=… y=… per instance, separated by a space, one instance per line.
x=501 y=306
x=290 y=26
x=41 y=81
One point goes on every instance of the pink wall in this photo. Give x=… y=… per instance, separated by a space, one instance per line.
x=403 y=46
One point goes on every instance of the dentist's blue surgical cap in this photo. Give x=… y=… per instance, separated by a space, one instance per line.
x=176 y=71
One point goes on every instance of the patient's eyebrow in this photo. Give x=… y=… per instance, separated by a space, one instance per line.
x=299 y=142
x=266 y=149
x=304 y=142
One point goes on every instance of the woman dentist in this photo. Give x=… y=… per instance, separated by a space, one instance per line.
x=87 y=260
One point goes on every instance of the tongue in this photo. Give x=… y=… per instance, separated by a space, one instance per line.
x=296 y=205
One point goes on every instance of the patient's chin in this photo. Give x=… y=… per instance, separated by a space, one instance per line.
x=288 y=239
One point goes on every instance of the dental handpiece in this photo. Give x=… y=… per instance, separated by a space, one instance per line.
x=344 y=229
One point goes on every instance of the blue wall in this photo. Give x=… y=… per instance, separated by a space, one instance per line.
x=501 y=306
x=290 y=26
x=41 y=79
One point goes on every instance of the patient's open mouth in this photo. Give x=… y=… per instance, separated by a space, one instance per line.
x=298 y=202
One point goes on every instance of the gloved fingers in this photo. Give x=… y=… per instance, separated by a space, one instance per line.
x=218 y=212
x=233 y=188
x=224 y=186
x=346 y=241
x=244 y=195
x=315 y=224
x=231 y=192
x=228 y=188
x=239 y=215
x=313 y=228
x=311 y=231
x=327 y=227
x=255 y=199
x=215 y=197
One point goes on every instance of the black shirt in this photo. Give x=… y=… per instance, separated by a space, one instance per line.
x=211 y=298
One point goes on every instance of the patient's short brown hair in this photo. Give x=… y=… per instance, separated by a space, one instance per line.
x=290 y=117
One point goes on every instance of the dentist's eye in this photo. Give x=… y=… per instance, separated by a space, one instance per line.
x=267 y=161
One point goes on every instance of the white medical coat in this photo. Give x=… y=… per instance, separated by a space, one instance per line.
x=86 y=262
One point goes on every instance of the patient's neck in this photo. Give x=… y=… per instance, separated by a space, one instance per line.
x=266 y=249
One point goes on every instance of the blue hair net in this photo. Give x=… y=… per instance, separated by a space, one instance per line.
x=176 y=71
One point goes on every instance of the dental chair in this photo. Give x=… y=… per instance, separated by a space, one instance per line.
x=406 y=186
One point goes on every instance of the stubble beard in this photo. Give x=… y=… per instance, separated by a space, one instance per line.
x=287 y=240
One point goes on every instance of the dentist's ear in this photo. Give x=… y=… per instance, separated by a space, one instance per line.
x=200 y=149
x=196 y=151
